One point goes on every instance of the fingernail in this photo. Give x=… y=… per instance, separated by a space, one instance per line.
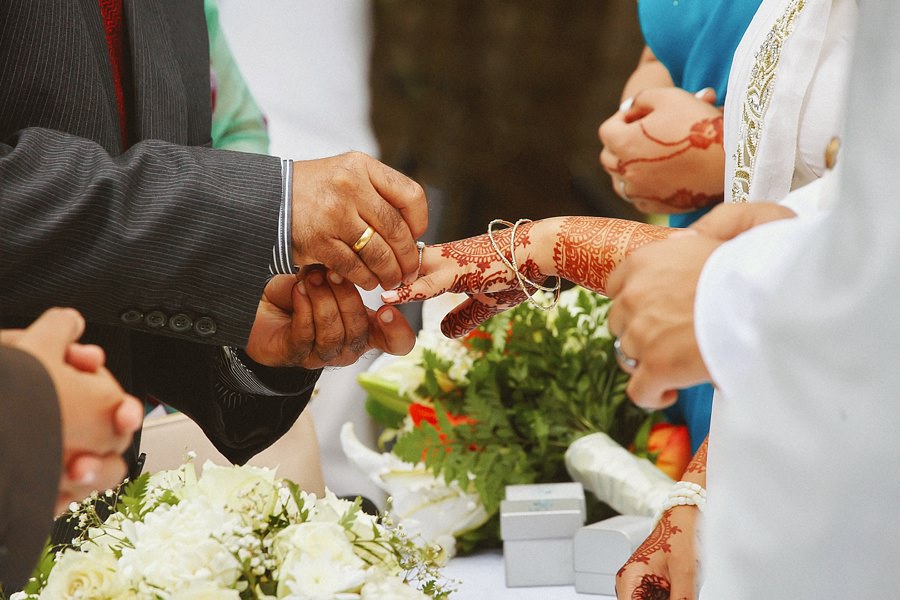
x=626 y=105
x=390 y=297
x=703 y=91
x=301 y=287
x=335 y=278
x=387 y=316
x=315 y=278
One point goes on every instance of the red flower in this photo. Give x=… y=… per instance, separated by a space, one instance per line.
x=671 y=445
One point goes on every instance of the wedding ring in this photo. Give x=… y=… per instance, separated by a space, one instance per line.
x=420 y=246
x=627 y=363
x=622 y=184
x=359 y=244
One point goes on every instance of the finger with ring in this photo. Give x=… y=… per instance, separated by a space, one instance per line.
x=364 y=239
x=625 y=197
x=420 y=246
x=627 y=363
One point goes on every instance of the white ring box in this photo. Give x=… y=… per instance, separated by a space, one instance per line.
x=537 y=524
x=602 y=548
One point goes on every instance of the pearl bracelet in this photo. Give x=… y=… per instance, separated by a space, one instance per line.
x=684 y=493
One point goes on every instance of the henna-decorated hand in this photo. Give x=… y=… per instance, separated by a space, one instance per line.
x=584 y=250
x=473 y=267
x=665 y=152
x=665 y=565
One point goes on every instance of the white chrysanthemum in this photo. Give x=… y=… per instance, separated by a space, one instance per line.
x=84 y=575
x=390 y=588
x=177 y=545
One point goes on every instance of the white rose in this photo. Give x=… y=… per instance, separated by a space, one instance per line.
x=314 y=577
x=84 y=575
x=242 y=489
x=177 y=481
x=326 y=540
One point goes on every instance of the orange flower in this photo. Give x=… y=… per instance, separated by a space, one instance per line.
x=671 y=447
x=422 y=412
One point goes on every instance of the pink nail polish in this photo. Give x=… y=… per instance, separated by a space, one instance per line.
x=389 y=297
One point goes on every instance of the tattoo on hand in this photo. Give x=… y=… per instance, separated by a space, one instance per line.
x=588 y=249
x=657 y=541
x=701 y=136
x=698 y=462
x=652 y=587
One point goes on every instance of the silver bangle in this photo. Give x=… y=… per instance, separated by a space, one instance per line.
x=512 y=264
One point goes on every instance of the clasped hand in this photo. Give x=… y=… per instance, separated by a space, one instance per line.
x=98 y=417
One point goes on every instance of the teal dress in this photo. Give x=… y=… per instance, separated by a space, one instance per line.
x=695 y=40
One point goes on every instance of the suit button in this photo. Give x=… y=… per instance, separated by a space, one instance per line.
x=180 y=323
x=155 y=319
x=132 y=317
x=204 y=327
x=831 y=152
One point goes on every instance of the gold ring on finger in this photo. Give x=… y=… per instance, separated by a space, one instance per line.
x=364 y=239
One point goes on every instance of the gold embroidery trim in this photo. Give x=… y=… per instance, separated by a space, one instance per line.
x=757 y=98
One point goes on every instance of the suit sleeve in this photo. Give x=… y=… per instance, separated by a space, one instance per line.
x=134 y=240
x=30 y=459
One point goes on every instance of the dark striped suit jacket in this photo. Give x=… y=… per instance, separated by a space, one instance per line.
x=165 y=246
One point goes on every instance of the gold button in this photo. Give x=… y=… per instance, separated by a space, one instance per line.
x=831 y=152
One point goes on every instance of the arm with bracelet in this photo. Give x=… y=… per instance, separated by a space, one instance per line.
x=667 y=561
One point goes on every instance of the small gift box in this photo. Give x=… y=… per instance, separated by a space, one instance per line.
x=537 y=524
x=602 y=548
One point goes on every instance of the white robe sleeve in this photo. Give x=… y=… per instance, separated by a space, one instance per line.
x=799 y=323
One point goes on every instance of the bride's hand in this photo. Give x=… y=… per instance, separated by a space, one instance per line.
x=473 y=266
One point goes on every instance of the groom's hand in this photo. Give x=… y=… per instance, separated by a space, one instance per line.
x=653 y=316
x=336 y=200
x=727 y=221
x=321 y=321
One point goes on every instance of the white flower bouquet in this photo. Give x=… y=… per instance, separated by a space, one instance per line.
x=234 y=533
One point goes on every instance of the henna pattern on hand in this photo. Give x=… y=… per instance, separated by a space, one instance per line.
x=698 y=462
x=702 y=135
x=652 y=587
x=588 y=249
x=657 y=541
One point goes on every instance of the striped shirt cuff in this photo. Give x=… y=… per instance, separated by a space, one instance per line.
x=232 y=372
x=282 y=252
x=237 y=376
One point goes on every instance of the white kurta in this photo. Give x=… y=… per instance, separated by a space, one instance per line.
x=799 y=323
x=786 y=96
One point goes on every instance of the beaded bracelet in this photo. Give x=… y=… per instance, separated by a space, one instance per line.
x=683 y=493
x=512 y=265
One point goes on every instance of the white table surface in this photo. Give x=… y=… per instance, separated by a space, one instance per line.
x=481 y=576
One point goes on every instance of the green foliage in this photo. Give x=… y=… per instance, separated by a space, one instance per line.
x=540 y=381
